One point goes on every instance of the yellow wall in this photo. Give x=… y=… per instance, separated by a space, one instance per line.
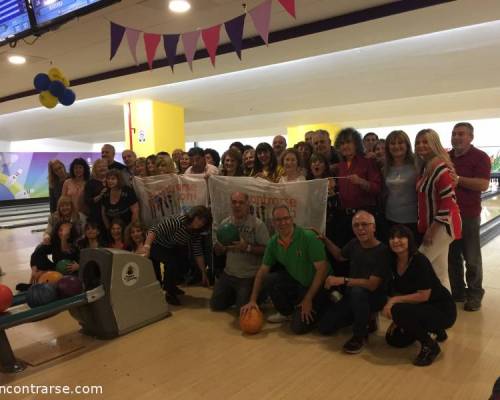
x=296 y=133
x=158 y=127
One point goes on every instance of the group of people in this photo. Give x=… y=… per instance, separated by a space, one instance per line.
x=399 y=222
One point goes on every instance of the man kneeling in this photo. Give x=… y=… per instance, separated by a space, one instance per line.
x=243 y=258
x=297 y=291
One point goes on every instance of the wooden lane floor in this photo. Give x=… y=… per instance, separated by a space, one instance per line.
x=198 y=354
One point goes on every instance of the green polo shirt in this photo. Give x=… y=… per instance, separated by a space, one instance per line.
x=304 y=250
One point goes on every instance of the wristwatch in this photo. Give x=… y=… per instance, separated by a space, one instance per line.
x=249 y=248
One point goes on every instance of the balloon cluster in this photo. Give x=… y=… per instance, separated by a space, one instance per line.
x=53 y=88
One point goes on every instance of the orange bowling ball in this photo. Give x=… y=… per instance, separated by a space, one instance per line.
x=251 y=322
x=6 y=297
x=50 y=277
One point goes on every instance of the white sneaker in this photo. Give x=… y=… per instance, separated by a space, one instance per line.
x=278 y=318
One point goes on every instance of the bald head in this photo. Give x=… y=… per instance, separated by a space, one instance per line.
x=240 y=205
x=279 y=145
x=108 y=153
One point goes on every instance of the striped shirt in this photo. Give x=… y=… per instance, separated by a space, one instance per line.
x=437 y=201
x=172 y=231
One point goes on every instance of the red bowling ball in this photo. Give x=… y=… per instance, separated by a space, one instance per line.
x=6 y=297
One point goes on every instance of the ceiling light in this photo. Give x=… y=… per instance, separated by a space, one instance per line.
x=179 y=6
x=18 y=60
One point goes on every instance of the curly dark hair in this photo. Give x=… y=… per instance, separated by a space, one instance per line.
x=350 y=135
x=273 y=163
x=83 y=163
x=215 y=156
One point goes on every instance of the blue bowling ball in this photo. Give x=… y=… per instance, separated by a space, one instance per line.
x=41 y=294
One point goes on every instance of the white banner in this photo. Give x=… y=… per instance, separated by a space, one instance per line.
x=306 y=199
x=161 y=196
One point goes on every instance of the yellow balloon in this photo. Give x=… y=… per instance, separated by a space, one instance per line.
x=55 y=74
x=47 y=99
x=65 y=81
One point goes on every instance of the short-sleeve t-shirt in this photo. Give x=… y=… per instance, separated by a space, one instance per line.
x=122 y=208
x=254 y=232
x=300 y=255
x=364 y=262
x=420 y=276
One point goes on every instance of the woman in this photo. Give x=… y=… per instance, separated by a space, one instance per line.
x=379 y=151
x=165 y=165
x=167 y=243
x=212 y=157
x=91 y=238
x=57 y=176
x=291 y=168
x=184 y=163
x=135 y=236
x=438 y=214
x=140 y=169
x=305 y=151
x=74 y=187
x=266 y=164
x=62 y=247
x=400 y=178
x=119 y=201
x=95 y=190
x=359 y=182
x=369 y=141
x=151 y=165
x=422 y=305
x=248 y=161
x=231 y=163
x=116 y=235
x=65 y=213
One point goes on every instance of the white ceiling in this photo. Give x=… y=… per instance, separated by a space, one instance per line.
x=395 y=72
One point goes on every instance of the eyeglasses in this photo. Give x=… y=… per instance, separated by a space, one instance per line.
x=363 y=225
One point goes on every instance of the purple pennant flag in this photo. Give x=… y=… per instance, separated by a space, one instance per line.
x=189 y=41
x=117 y=32
x=133 y=38
x=261 y=17
x=234 y=29
x=170 y=44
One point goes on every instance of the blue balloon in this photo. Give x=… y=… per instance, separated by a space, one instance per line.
x=67 y=98
x=57 y=88
x=41 y=82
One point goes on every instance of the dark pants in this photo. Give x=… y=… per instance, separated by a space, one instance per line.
x=175 y=261
x=229 y=290
x=469 y=249
x=417 y=320
x=286 y=293
x=354 y=308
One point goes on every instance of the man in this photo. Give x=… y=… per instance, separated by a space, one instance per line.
x=243 y=258
x=322 y=144
x=308 y=137
x=279 y=146
x=473 y=168
x=129 y=158
x=199 y=163
x=108 y=154
x=297 y=290
x=365 y=287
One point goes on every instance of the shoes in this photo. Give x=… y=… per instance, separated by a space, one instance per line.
x=278 y=318
x=172 y=299
x=373 y=325
x=178 y=291
x=472 y=305
x=440 y=335
x=458 y=298
x=428 y=353
x=354 y=345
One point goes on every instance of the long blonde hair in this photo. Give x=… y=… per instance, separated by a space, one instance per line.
x=53 y=178
x=436 y=148
x=66 y=200
x=96 y=165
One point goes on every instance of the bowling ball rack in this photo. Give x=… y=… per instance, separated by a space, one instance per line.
x=19 y=313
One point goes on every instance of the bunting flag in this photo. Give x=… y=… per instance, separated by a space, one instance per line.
x=151 y=42
x=211 y=37
x=261 y=17
x=234 y=29
x=170 y=44
x=117 y=32
x=189 y=41
x=289 y=6
x=133 y=38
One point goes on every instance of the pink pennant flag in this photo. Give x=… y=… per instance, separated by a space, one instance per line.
x=211 y=37
x=261 y=17
x=289 y=6
x=189 y=41
x=132 y=39
x=151 y=42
